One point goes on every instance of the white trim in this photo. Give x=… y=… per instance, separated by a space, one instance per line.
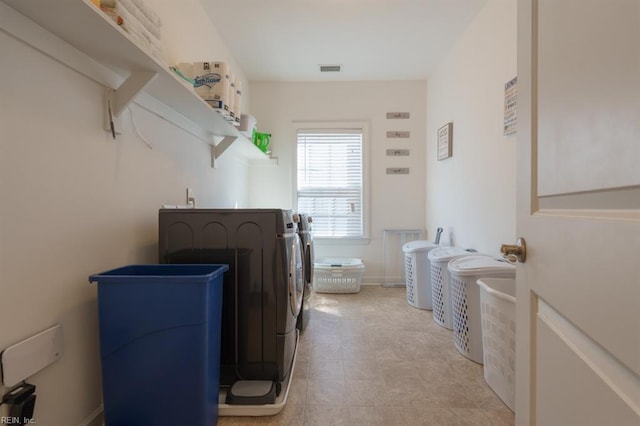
x=341 y=241
x=366 y=163
x=624 y=382
x=96 y=418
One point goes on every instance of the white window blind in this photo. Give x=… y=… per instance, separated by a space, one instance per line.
x=330 y=181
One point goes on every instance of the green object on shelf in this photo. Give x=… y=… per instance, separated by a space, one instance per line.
x=261 y=140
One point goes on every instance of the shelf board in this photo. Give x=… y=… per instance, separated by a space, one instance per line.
x=86 y=28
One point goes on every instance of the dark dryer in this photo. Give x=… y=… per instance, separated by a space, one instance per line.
x=262 y=289
x=308 y=258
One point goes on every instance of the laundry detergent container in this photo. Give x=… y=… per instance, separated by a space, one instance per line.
x=337 y=275
x=160 y=343
x=465 y=295
x=498 y=313
x=441 y=284
x=418 y=273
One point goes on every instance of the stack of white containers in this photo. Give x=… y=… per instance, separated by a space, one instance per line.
x=417 y=273
x=215 y=84
x=498 y=306
x=232 y=97
x=237 y=111
x=441 y=283
x=140 y=21
x=474 y=295
x=465 y=294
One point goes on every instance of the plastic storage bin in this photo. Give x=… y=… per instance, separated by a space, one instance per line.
x=160 y=343
x=441 y=283
x=498 y=313
x=418 y=273
x=337 y=275
x=465 y=295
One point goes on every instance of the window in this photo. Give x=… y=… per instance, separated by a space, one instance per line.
x=330 y=181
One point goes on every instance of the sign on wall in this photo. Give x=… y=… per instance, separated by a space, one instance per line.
x=510 y=106
x=398 y=152
x=397 y=170
x=445 y=141
x=398 y=134
x=398 y=115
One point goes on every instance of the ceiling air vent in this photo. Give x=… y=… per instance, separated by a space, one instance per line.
x=330 y=68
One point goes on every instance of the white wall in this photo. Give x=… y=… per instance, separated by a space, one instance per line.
x=472 y=194
x=76 y=202
x=396 y=201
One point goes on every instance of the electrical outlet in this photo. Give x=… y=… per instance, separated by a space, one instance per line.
x=191 y=200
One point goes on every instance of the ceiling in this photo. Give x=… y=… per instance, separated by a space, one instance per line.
x=287 y=40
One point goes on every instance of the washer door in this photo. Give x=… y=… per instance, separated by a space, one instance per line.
x=296 y=277
x=309 y=259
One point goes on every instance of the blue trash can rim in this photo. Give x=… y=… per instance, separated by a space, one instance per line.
x=162 y=271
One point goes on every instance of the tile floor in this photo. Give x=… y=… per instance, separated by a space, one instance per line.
x=371 y=359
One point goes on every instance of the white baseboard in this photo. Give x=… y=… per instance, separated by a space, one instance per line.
x=96 y=418
x=373 y=280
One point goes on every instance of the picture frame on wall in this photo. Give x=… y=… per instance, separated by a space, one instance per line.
x=445 y=141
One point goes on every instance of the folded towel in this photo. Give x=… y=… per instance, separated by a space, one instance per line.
x=151 y=25
x=136 y=31
x=149 y=12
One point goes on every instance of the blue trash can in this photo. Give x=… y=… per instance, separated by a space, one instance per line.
x=160 y=343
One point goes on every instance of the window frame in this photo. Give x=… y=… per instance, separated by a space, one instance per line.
x=337 y=126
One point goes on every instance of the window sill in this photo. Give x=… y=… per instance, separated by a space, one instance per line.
x=342 y=240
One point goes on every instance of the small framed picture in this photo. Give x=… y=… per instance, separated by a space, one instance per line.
x=445 y=141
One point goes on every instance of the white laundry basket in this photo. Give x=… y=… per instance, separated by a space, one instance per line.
x=337 y=275
x=498 y=313
x=418 y=273
x=441 y=284
x=465 y=295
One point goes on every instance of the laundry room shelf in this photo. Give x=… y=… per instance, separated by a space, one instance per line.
x=80 y=24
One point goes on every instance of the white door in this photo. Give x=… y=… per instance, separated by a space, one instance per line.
x=578 y=292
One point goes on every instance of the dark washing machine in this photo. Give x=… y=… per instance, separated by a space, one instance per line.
x=262 y=291
x=306 y=240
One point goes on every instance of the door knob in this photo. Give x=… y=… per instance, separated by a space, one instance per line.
x=515 y=252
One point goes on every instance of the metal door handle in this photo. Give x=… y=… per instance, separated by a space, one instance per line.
x=515 y=252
